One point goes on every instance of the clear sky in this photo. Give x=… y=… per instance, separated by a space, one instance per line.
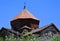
x=47 y=11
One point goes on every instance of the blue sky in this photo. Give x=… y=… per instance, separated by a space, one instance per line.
x=47 y=11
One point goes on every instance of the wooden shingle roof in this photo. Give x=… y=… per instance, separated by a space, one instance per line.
x=24 y=15
x=43 y=28
x=9 y=30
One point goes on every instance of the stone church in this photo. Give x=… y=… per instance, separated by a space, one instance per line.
x=25 y=20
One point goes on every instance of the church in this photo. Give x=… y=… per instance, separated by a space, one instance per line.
x=25 y=20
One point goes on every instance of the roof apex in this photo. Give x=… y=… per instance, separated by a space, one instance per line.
x=24 y=15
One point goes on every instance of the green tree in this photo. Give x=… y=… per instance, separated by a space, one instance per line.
x=55 y=38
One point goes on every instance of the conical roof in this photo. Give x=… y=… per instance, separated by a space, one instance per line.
x=24 y=15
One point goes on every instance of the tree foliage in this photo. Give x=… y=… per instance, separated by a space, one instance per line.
x=25 y=36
